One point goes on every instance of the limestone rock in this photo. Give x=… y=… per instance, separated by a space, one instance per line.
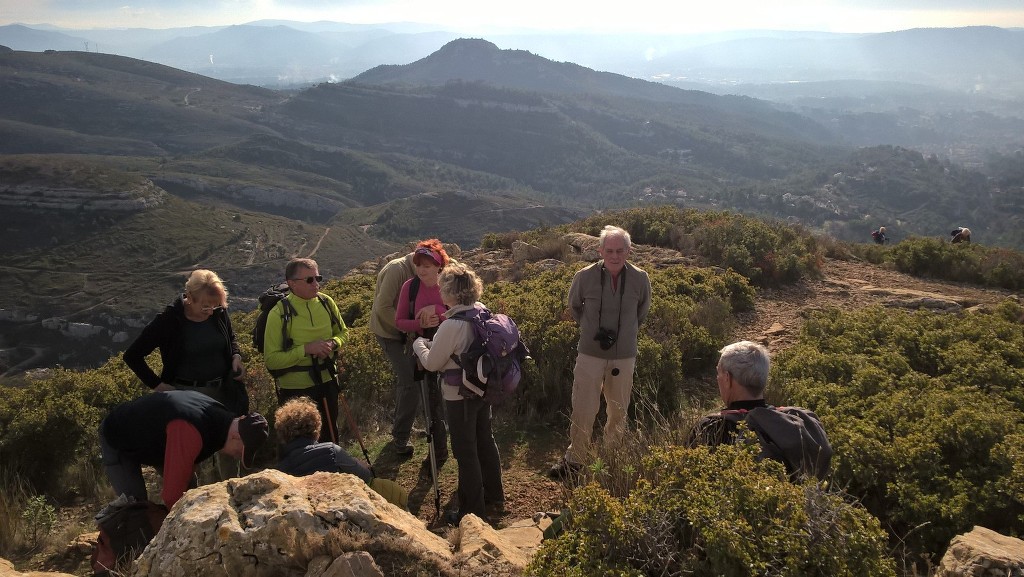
x=584 y=245
x=525 y=252
x=983 y=553
x=480 y=545
x=354 y=564
x=7 y=570
x=273 y=524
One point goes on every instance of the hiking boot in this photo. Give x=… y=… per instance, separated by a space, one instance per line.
x=497 y=509
x=451 y=517
x=403 y=449
x=564 y=470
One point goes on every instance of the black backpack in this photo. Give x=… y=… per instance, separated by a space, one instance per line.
x=268 y=300
x=492 y=366
x=125 y=530
x=792 y=436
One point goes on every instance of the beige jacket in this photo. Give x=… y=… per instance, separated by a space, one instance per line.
x=453 y=337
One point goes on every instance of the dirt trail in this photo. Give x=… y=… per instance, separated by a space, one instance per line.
x=850 y=285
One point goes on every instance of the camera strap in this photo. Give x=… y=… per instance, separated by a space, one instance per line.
x=600 y=306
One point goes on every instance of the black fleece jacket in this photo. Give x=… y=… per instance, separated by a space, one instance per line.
x=165 y=332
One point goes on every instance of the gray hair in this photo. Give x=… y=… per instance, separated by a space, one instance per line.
x=297 y=263
x=748 y=363
x=610 y=230
x=460 y=283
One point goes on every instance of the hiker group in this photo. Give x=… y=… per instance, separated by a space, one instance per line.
x=956 y=236
x=453 y=360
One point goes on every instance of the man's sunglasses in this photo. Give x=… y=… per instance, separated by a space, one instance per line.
x=310 y=279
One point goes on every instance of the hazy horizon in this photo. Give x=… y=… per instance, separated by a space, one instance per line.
x=640 y=16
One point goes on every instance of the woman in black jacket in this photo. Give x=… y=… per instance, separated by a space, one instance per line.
x=197 y=346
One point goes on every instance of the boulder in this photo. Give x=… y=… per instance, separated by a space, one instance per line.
x=272 y=524
x=584 y=245
x=7 y=570
x=323 y=525
x=525 y=252
x=983 y=553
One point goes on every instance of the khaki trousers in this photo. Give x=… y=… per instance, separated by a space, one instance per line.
x=593 y=377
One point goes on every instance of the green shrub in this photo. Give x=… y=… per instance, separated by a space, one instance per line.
x=973 y=263
x=38 y=519
x=714 y=513
x=920 y=408
x=60 y=413
x=765 y=252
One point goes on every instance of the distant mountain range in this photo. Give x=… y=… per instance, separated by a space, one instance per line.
x=118 y=175
x=278 y=53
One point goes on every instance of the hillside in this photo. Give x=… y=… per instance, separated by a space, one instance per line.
x=775 y=321
x=467 y=141
x=777 y=316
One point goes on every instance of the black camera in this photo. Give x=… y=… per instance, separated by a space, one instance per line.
x=605 y=338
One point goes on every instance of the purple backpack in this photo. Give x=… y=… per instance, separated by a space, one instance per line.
x=492 y=366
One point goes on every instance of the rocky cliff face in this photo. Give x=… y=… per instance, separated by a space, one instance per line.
x=46 y=198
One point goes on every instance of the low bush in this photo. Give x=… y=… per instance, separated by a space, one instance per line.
x=968 y=262
x=714 y=513
x=923 y=411
x=765 y=252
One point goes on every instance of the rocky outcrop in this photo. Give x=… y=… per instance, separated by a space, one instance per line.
x=7 y=570
x=983 y=553
x=46 y=198
x=273 y=524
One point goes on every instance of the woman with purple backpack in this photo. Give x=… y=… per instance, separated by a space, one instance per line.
x=480 y=489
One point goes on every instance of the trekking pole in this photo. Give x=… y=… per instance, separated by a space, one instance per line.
x=332 y=369
x=355 y=431
x=425 y=397
x=322 y=393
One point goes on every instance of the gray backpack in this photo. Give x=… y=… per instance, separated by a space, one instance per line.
x=792 y=436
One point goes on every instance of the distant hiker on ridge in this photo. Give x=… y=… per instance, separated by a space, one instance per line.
x=879 y=236
x=960 y=234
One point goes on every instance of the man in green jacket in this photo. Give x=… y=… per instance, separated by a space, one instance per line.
x=302 y=358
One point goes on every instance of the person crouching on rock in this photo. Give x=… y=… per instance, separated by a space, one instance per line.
x=173 y=431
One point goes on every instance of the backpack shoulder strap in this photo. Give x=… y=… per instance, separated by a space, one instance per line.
x=414 y=289
x=474 y=316
x=287 y=312
x=323 y=300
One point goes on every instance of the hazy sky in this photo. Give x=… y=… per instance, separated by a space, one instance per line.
x=655 y=16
